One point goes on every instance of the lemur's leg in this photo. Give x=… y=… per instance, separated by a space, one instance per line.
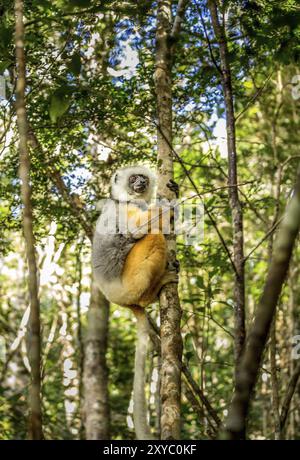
x=144 y=269
x=151 y=294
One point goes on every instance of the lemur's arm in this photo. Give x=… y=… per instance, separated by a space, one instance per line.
x=154 y=220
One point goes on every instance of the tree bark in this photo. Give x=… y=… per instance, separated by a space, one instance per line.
x=170 y=311
x=234 y=201
x=249 y=366
x=274 y=381
x=34 y=339
x=179 y=18
x=273 y=366
x=95 y=378
x=190 y=382
x=80 y=343
x=288 y=397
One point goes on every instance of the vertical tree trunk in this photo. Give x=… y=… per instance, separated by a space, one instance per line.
x=140 y=409
x=289 y=395
x=249 y=366
x=273 y=366
x=34 y=340
x=234 y=201
x=274 y=381
x=80 y=343
x=170 y=311
x=291 y=429
x=96 y=402
x=158 y=400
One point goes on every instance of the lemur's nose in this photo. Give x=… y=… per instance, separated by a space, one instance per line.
x=141 y=181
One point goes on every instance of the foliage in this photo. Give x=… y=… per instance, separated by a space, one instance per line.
x=91 y=105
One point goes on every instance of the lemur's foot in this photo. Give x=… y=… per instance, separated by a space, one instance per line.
x=169 y=277
x=172 y=185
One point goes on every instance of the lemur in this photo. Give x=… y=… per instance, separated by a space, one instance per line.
x=130 y=260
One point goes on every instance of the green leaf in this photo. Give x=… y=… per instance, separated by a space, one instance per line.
x=4 y=65
x=188 y=356
x=75 y=64
x=84 y=3
x=6 y=35
x=200 y=282
x=59 y=103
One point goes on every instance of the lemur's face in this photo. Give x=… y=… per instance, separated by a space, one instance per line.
x=138 y=183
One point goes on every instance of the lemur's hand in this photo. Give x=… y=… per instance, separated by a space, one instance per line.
x=173 y=266
x=174 y=187
x=138 y=233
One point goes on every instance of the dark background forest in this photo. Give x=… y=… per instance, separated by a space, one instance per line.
x=93 y=104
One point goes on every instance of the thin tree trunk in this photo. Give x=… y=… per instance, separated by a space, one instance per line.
x=34 y=339
x=158 y=400
x=249 y=367
x=289 y=395
x=96 y=402
x=274 y=380
x=80 y=343
x=170 y=311
x=292 y=313
x=234 y=201
x=203 y=401
x=140 y=410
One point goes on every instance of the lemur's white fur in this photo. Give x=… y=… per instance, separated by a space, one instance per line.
x=119 y=186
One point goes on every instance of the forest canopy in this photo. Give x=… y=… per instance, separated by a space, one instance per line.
x=205 y=93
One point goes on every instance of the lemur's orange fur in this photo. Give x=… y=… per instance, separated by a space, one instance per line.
x=145 y=267
x=144 y=272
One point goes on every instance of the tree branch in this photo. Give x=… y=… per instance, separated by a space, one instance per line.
x=181 y=8
x=73 y=200
x=249 y=367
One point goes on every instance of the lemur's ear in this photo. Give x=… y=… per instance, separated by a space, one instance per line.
x=116 y=178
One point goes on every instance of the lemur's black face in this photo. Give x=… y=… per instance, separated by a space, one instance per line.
x=138 y=183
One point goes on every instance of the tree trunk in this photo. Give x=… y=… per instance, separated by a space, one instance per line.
x=234 y=201
x=140 y=410
x=170 y=311
x=274 y=381
x=34 y=339
x=289 y=395
x=80 y=343
x=96 y=402
x=258 y=335
x=273 y=366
